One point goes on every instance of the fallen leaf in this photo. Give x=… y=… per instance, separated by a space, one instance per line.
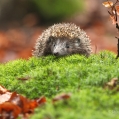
x=3 y=90
x=112 y=84
x=5 y=97
x=25 y=104
x=41 y=100
x=63 y=96
x=13 y=104
x=9 y=110
x=21 y=101
x=24 y=78
x=15 y=99
x=4 y=94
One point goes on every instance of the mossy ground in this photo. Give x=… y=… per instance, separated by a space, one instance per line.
x=83 y=77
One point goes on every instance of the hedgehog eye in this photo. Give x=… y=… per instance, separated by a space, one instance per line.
x=54 y=44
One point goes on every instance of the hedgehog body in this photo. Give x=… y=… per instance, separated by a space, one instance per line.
x=63 y=39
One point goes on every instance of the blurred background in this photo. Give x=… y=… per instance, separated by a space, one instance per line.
x=22 y=21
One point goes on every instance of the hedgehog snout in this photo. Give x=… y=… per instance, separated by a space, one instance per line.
x=58 y=47
x=56 y=53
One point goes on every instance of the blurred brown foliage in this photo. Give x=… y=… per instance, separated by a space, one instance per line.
x=17 y=43
x=18 y=36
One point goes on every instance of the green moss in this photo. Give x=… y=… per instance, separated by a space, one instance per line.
x=83 y=77
x=93 y=103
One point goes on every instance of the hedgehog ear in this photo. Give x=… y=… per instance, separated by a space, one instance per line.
x=51 y=38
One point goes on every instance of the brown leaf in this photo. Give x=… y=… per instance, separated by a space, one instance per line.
x=4 y=94
x=9 y=110
x=15 y=99
x=117 y=9
x=21 y=101
x=41 y=100
x=25 y=104
x=24 y=78
x=17 y=104
x=112 y=84
x=63 y=96
x=33 y=104
x=3 y=90
x=113 y=11
x=5 y=97
x=108 y=4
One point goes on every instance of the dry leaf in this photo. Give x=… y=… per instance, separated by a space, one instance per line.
x=41 y=100
x=9 y=110
x=13 y=104
x=112 y=84
x=63 y=96
x=25 y=104
x=112 y=11
x=24 y=78
x=4 y=94
x=117 y=9
x=22 y=102
x=108 y=4
x=3 y=90
x=5 y=97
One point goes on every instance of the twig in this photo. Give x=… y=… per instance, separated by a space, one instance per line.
x=114 y=13
x=117 y=26
x=117 y=48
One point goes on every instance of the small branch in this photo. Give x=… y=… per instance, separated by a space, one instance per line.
x=113 y=15
x=117 y=26
x=117 y=48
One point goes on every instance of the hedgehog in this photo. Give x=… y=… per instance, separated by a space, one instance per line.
x=63 y=39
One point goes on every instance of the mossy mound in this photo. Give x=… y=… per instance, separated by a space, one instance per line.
x=83 y=77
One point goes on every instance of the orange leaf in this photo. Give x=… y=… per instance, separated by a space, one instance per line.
x=9 y=110
x=13 y=104
x=41 y=100
x=108 y=4
x=117 y=9
x=33 y=104
x=24 y=104
x=21 y=101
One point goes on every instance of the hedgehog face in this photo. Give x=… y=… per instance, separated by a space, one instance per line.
x=63 y=46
